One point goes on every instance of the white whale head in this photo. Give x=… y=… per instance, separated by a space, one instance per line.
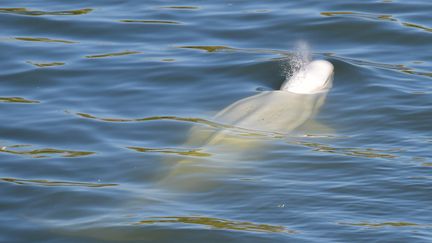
x=316 y=77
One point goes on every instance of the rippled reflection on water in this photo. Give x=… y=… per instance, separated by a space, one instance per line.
x=218 y=224
x=99 y=99
x=25 y=11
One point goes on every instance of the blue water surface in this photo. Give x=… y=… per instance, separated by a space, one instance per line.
x=98 y=98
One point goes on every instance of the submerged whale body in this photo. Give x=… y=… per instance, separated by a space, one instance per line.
x=279 y=111
x=286 y=109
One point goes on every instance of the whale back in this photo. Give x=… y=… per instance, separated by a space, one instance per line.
x=279 y=111
x=272 y=111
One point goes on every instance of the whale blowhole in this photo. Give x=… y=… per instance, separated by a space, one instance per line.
x=306 y=76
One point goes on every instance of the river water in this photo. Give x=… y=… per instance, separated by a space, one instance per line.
x=97 y=100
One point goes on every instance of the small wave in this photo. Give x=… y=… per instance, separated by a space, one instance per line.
x=185 y=152
x=154 y=118
x=221 y=48
x=180 y=7
x=168 y=60
x=397 y=67
x=42 y=153
x=200 y=121
x=46 y=64
x=217 y=223
x=355 y=152
x=417 y=26
x=143 y=21
x=25 y=11
x=18 y=100
x=386 y=224
x=55 y=183
x=372 y=16
x=358 y=14
x=208 y=48
x=41 y=39
x=115 y=54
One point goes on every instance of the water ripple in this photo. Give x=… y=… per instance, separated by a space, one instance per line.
x=209 y=48
x=376 y=17
x=355 y=152
x=169 y=171
x=142 y=21
x=18 y=100
x=186 y=152
x=219 y=224
x=46 y=64
x=55 y=183
x=155 y=118
x=397 y=67
x=387 y=224
x=25 y=11
x=41 y=39
x=180 y=7
x=114 y=54
x=200 y=121
x=42 y=153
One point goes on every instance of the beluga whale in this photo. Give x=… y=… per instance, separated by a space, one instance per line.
x=276 y=112
x=245 y=125
x=283 y=110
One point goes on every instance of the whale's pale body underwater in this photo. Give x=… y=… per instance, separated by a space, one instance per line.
x=280 y=111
